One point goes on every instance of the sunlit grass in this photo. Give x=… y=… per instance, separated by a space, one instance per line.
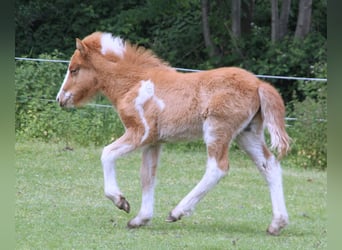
x=60 y=203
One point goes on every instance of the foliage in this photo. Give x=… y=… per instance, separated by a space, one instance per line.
x=43 y=26
x=173 y=30
x=309 y=131
x=38 y=115
x=290 y=56
x=310 y=135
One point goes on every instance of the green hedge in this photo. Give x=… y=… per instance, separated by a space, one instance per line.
x=309 y=131
x=39 y=116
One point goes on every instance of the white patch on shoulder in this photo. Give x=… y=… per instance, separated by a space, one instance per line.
x=159 y=102
x=112 y=44
x=146 y=92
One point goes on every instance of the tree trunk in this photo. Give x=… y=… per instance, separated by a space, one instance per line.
x=279 y=23
x=247 y=8
x=284 y=18
x=304 y=19
x=274 y=20
x=212 y=51
x=236 y=18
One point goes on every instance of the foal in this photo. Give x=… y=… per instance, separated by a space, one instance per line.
x=157 y=104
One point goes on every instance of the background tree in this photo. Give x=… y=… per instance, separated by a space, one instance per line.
x=191 y=34
x=195 y=34
x=304 y=19
x=236 y=18
x=280 y=21
x=212 y=50
x=247 y=15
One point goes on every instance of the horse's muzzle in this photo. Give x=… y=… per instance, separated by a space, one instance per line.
x=65 y=99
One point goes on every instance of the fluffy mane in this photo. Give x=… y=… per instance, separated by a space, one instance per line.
x=115 y=48
x=143 y=57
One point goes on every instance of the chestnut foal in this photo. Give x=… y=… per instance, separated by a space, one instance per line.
x=158 y=104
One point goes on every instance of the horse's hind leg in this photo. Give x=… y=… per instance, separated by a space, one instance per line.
x=217 y=167
x=150 y=157
x=252 y=141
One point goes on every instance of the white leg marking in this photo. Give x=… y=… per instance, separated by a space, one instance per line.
x=253 y=144
x=109 y=155
x=211 y=177
x=147 y=202
x=146 y=92
x=209 y=136
x=150 y=159
x=112 y=44
x=273 y=174
x=146 y=210
x=147 y=175
x=271 y=170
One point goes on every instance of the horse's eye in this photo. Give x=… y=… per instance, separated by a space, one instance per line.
x=73 y=71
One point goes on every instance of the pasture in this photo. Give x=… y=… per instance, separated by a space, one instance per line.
x=60 y=203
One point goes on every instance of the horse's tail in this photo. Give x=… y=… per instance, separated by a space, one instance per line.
x=273 y=115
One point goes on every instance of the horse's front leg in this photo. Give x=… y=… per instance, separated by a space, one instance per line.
x=150 y=157
x=109 y=156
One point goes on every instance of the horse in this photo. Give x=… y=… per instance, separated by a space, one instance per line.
x=158 y=104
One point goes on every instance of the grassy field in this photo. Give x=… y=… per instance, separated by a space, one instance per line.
x=60 y=203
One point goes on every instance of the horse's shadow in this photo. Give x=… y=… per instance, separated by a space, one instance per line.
x=248 y=229
x=206 y=228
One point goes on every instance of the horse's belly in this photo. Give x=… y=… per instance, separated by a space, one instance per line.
x=181 y=132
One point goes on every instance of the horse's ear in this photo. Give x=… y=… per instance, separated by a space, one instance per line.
x=80 y=46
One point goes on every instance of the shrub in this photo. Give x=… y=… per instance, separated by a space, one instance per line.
x=309 y=131
x=39 y=116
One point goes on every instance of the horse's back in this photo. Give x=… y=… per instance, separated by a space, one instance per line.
x=227 y=95
x=230 y=92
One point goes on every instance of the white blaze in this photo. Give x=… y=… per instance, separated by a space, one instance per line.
x=64 y=82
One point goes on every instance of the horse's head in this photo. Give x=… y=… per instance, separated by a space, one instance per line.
x=80 y=80
x=93 y=55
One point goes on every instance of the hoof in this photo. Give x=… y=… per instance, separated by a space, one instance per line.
x=131 y=224
x=124 y=205
x=273 y=231
x=172 y=218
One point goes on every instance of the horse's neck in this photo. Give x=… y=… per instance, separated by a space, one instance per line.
x=116 y=86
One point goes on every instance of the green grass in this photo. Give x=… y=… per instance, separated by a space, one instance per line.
x=60 y=203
